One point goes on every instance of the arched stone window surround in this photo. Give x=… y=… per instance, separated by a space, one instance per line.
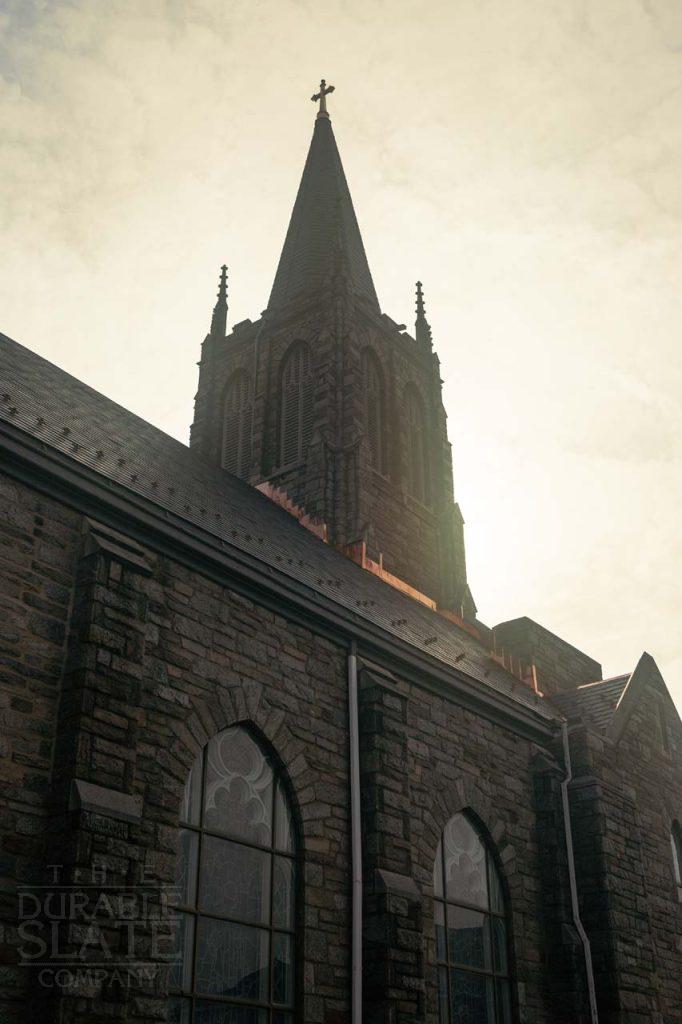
x=243 y=705
x=464 y=795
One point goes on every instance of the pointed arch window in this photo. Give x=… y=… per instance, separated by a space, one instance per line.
x=472 y=948
x=676 y=850
x=237 y=410
x=297 y=400
x=375 y=410
x=418 y=481
x=236 y=886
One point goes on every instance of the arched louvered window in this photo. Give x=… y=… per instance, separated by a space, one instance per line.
x=297 y=404
x=236 y=885
x=472 y=946
x=417 y=447
x=237 y=424
x=375 y=410
x=676 y=849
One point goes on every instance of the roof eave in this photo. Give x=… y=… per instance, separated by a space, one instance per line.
x=40 y=466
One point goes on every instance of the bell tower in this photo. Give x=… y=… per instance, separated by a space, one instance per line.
x=335 y=404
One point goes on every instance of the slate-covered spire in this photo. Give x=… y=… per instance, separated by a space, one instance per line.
x=219 y=318
x=323 y=220
x=421 y=324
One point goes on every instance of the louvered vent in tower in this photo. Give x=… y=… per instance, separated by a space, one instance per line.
x=297 y=404
x=374 y=410
x=417 y=449
x=237 y=425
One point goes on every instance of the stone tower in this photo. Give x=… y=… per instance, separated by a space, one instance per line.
x=334 y=403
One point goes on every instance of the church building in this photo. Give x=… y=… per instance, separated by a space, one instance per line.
x=261 y=761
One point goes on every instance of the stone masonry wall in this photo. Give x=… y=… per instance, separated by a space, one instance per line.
x=426 y=759
x=39 y=546
x=624 y=800
x=560 y=666
x=158 y=660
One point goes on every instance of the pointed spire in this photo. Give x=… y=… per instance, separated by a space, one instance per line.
x=219 y=318
x=322 y=222
x=422 y=328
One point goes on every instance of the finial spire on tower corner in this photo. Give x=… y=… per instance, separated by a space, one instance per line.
x=219 y=318
x=420 y=299
x=422 y=328
x=322 y=97
x=222 y=284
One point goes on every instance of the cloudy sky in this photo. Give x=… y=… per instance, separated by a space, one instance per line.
x=523 y=158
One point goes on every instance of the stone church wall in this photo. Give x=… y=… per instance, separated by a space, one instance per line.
x=39 y=544
x=624 y=800
x=120 y=664
x=159 y=660
x=424 y=760
x=559 y=665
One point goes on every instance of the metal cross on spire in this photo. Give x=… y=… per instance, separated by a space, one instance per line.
x=322 y=97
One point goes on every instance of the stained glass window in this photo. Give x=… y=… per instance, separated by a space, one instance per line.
x=297 y=401
x=236 y=890
x=471 y=930
x=237 y=425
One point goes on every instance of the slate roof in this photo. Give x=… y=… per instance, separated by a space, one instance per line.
x=594 y=703
x=67 y=415
x=323 y=227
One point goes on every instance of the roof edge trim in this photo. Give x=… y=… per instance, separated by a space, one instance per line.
x=52 y=472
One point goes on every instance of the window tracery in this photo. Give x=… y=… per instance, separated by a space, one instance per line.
x=472 y=950
x=236 y=890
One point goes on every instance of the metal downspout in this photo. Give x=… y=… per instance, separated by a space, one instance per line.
x=356 y=837
x=587 y=952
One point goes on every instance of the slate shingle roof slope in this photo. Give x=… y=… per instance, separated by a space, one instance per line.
x=65 y=414
x=322 y=224
x=595 y=703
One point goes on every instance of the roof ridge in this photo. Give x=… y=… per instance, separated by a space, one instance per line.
x=601 y=682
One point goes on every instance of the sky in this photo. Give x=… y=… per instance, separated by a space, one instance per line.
x=522 y=158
